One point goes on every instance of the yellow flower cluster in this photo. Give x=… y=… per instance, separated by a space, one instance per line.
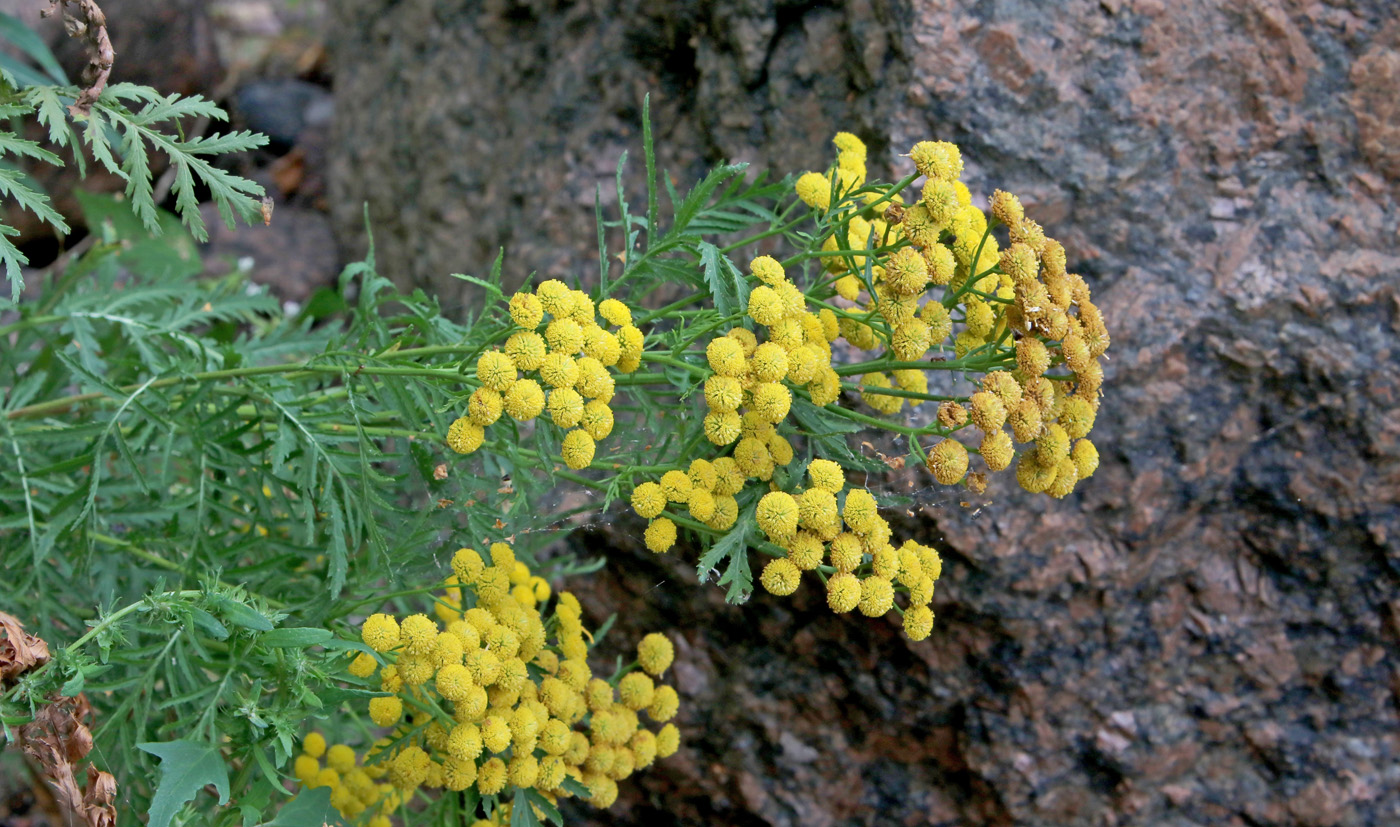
x=357 y=789
x=574 y=357
x=748 y=394
x=499 y=695
x=707 y=490
x=943 y=246
x=816 y=189
x=843 y=539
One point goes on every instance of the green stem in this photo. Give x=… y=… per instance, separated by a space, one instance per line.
x=169 y=565
x=660 y=359
x=900 y=392
x=25 y=324
x=673 y=306
x=769 y=233
x=102 y=625
x=291 y=371
x=883 y=365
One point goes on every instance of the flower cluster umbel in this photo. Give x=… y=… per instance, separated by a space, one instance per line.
x=1036 y=323
x=573 y=358
x=497 y=694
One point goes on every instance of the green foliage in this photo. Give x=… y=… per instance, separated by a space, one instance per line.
x=125 y=124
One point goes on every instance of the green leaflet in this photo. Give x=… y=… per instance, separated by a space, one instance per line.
x=185 y=769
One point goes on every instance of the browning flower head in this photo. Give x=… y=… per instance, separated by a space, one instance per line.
x=1007 y=208
x=1086 y=458
x=1032 y=357
x=948 y=461
x=937 y=159
x=988 y=411
x=997 y=451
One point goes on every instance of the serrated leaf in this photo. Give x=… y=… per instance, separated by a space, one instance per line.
x=185 y=769
x=735 y=540
x=573 y=785
x=738 y=577
x=521 y=813
x=73 y=685
x=818 y=421
x=296 y=637
x=545 y=806
x=699 y=196
x=334 y=696
x=311 y=808
x=727 y=285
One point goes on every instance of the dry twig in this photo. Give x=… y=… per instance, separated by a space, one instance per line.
x=88 y=22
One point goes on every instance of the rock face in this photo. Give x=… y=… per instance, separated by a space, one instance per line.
x=1204 y=634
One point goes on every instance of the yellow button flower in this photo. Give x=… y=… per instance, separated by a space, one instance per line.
x=465 y=436
x=524 y=400
x=577 y=449
x=815 y=190
x=918 y=622
x=780 y=576
x=777 y=514
x=648 y=500
x=495 y=370
x=484 y=406
x=655 y=653
x=726 y=356
x=660 y=535
x=948 y=461
x=526 y=349
x=526 y=310
x=876 y=596
x=615 y=312
x=597 y=419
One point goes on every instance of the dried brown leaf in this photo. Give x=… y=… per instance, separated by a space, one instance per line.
x=58 y=739
x=19 y=651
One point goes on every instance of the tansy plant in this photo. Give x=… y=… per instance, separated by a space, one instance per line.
x=307 y=557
